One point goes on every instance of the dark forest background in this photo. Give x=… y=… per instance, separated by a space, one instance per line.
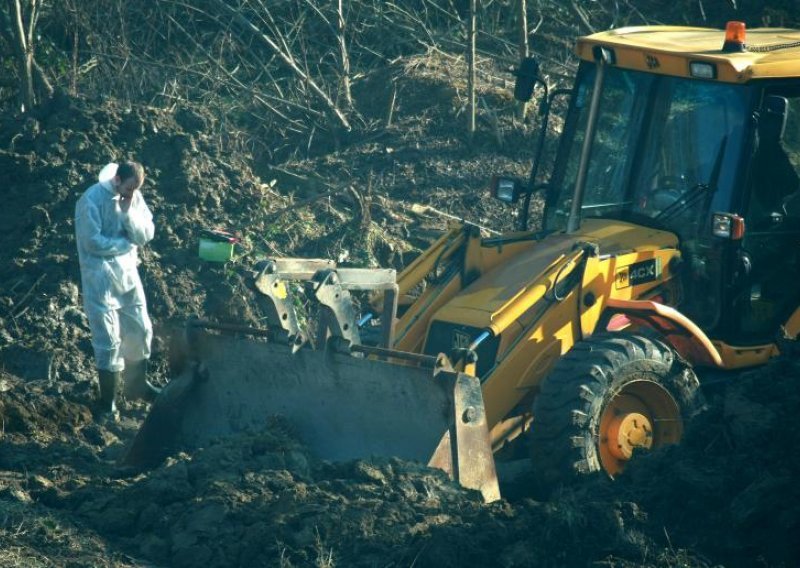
x=285 y=75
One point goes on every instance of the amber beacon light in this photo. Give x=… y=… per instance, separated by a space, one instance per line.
x=735 y=35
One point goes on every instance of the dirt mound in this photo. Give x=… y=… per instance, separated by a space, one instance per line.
x=730 y=489
x=262 y=500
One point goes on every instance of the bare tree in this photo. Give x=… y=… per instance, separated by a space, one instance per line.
x=522 y=45
x=345 y=58
x=279 y=46
x=471 y=34
x=17 y=25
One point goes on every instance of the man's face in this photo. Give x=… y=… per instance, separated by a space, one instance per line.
x=127 y=188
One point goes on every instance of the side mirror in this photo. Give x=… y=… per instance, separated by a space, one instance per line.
x=506 y=189
x=527 y=75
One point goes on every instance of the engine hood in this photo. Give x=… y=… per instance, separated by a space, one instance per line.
x=478 y=304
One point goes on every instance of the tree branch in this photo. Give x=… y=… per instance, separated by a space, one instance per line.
x=288 y=59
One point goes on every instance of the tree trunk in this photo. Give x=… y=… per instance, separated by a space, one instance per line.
x=42 y=87
x=522 y=47
x=345 y=58
x=24 y=57
x=18 y=28
x=471 y=34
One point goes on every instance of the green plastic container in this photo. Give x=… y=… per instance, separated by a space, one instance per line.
x=215 y=251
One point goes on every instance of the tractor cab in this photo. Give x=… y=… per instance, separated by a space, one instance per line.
x=664 y=132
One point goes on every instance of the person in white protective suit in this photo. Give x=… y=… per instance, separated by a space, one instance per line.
x=111 y=221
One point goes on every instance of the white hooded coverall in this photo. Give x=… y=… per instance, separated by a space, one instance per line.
x=113 y=297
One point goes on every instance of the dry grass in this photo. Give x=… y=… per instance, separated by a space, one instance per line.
x=33 y=537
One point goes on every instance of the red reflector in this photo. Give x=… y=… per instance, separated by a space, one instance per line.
x=737 y=228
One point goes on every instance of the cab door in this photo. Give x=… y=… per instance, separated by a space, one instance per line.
x=769 y=290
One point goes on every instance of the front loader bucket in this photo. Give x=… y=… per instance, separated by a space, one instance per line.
x=342 y=406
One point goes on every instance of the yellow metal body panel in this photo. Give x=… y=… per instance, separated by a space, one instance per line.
x=514 y=299
x=742 y=357
x=438 y=252
x=410 y=329
x=549 y=329
x=737 y=357
x=511 y=282
x=512 y=291
x=668 y=50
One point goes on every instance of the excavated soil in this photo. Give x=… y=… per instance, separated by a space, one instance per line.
x=727 y=496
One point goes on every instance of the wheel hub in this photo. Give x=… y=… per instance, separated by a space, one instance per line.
x=629 y=431
x=641 y=416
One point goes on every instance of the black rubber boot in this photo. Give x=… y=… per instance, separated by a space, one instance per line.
x=109 y=385
x=137 y=387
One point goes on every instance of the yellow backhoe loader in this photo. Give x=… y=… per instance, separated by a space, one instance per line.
x=670 y=242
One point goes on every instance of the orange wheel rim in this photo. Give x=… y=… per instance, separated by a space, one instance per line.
x=641 y=416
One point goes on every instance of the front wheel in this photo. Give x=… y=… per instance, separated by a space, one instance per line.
x=609 y=397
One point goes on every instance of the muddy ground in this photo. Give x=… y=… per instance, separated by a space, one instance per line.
x=727 y=496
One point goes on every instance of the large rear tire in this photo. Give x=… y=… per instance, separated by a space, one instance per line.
x=609 y=397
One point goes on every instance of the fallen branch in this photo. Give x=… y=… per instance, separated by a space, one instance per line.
x=17 y=312
x=419 y=209
x=256 y=95
x=362 y=215
x=303 y=203
x=582 y=17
